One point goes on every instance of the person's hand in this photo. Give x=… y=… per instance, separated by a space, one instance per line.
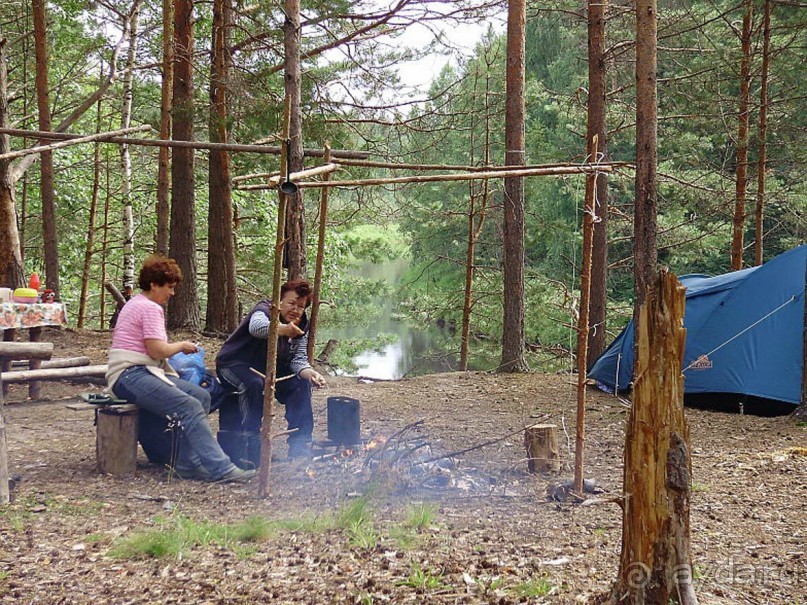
x=310 y=374
x=187 y=347
x=289 y=330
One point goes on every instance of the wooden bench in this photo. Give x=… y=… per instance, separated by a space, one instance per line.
x=116 y=426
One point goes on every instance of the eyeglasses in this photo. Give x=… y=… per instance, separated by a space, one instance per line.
x=291 y=305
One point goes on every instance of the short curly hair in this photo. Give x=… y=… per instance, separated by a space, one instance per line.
x=301 y=286
x=160 y=270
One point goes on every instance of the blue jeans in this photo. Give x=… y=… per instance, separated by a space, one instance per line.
x=186 y=402
x=294 y=393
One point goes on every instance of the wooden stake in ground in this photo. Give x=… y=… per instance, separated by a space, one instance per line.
x=323 y=216
x=589 y=215
x=656 y=564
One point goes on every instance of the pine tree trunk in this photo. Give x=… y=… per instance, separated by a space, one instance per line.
x=759 y=220
x=513 y=251
x=597 y=126
x=222 y=298
x=656 y=563
x=88 y=250
x=104 y=246
x=125 y=156
x=164 y=158
x=295 y=258
x=738 y=225
x=47 y=195
x=645 y=252
x=184 y=306
x=10 y=259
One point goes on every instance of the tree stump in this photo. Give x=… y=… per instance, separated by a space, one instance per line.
x=116 y=439
x=541 y=443
x=656 y=563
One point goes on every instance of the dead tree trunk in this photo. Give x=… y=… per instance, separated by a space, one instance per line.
x=759 y=220
x=738 y=224
x=294 y=258
x=47 y=194
x=222 y=295
x=10 y=256
x=513 y=347
x=656 y=563
x=163 y=166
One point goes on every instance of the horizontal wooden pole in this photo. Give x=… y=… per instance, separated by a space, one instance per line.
x=77 y=141
x=433 y=178
x=63 y=362
x=55 y=374
x=25 y=350
x=275 y=180
x=425 y=167
x=272 y=150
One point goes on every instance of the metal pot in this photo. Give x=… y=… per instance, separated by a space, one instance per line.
x=344 y=422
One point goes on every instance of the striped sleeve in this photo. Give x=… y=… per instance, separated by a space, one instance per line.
x=259 y=325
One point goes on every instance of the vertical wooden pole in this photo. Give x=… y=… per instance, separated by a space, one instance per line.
x=5 y=492
x=589 y=211
x=34 y=387
x=271 y=343
x=323 y=216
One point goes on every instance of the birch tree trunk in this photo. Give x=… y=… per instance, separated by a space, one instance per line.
x=597 y=127
x=164 y=158
x=47 y=195
x=762 y=161
x=294 y=257
x=125 y=157
x=184 y=306
x=738 y=224
x=10 y=258
x=645 y=252
x=222 y=297
x=513 y=252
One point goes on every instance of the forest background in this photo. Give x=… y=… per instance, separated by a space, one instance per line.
x=730 y=135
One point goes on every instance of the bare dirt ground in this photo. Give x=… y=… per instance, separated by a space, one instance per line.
x=493 y=537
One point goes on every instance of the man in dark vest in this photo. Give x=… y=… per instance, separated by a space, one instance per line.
x=245 y=349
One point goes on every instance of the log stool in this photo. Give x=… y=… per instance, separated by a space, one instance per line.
x=116 y=425
x=541 y=443
x=116 y=438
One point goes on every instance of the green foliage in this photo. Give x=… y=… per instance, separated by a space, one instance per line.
x=423 y=580
x=536 y=587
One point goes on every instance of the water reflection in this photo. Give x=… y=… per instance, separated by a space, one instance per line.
x=413 y=351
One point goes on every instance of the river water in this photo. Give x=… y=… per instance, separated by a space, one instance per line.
x=411 y=353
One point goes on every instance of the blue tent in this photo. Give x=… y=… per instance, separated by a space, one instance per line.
x=744 y=333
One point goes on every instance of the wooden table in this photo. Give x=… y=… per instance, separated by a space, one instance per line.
x=31 y=317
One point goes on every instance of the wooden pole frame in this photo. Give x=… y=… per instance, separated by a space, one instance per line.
x=271 y=150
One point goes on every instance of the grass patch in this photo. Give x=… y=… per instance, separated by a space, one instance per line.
x=421 y=579
x=534 y=588
x=420 y=516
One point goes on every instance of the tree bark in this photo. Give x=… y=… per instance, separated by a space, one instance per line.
x=164 y=159
x=184 y=306
x=645 y=252
x=656 y=563
x=222 y=295
x=597 y=127
x=47 y=195
x=88 y=250
x=125 y=157
x=513 y=347
x=10 y=250
x=738 y=224
x=313 y=319
x=759 y=219
x=295 y=257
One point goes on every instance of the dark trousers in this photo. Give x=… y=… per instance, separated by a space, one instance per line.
x=294 y=393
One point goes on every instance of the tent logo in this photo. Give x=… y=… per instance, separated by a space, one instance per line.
x=702 y=363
